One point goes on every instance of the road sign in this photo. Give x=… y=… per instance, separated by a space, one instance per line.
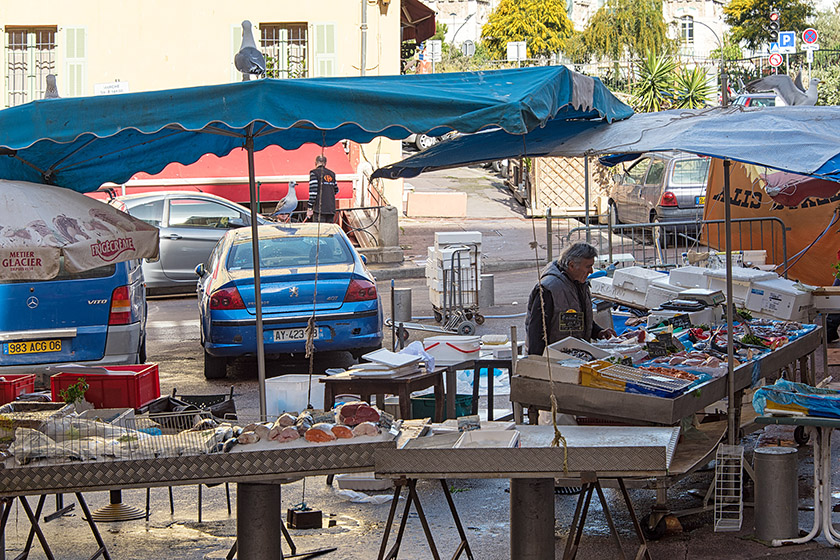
x=433 y=50
x=810 y=36
x=810 y=58
x=776 y=60
x=774 y=47
x=468 y=48
x=787 y=42
x=811 y=47
x=516 y=50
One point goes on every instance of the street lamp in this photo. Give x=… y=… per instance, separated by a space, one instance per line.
x=460 y=27
x=724 y=98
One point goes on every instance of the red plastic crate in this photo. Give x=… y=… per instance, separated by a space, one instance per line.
x=123 y=387
x=14 y=385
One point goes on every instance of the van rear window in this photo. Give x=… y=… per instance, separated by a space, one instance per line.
x=690 y=171
x=100 y=272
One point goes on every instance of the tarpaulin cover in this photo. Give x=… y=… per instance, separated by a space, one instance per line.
x=803 y=140
x=81 y=143
x=800 y=398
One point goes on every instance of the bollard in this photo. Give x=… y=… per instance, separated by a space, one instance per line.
x=776 y=493
x=402 y=305
x=487 y=292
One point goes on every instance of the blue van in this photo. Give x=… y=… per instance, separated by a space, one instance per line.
x=93 y=318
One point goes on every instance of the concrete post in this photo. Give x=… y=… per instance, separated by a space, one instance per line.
x=532 y=518
x=258 y=519
x=776 y=493
x=389 y=227
x=487 y=292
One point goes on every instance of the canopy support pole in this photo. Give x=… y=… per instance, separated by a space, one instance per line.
x=586 y=188
x=731 y=412
x=255 y=245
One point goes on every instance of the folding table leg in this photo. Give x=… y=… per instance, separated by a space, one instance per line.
x=605 y=506
x=398 y=484
x=103 y=550
x=412 y=492
x=578 y=520
x=643 y=549
x=35 y=528
x=463 y=545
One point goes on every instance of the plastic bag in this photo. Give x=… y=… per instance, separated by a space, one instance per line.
x=416 y=349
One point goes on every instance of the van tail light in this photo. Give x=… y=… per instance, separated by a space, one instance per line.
x=360 y=290
x=120 y=307
x=668 y=199
x=226 y=298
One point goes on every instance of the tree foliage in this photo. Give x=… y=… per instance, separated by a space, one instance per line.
x=626 y=26
x=542 y=24
x=829 y=88
x=748 y=19
x=827 y=23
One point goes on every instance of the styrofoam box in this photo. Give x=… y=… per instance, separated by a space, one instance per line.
x=562 y=371
x=629 y=297
x=757 y=257
x=452 y=237
x=467 y=284
x=742 y=279
x=365 y=482
x=602 y=286
x=448 y=349
x=288 y=393
x=443 y=258
x=659 y=292
x=708 y=316
x=636 y=278
x=689 y=277
x=780 y=299
x=488 y=438
x=555 y=350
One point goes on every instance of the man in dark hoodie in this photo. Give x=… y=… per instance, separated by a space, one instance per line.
x=566 y=302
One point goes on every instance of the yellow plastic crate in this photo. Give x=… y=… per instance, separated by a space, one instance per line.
x=591 y=376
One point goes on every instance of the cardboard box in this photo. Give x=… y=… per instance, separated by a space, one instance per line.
x=562 y=371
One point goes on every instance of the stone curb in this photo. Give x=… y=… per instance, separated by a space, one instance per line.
x=406 y=272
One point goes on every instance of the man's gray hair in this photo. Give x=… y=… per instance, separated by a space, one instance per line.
x=320 y=160
x=576 y=252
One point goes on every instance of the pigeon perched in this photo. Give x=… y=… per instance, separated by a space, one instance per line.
x=249 y=60
x=785 y=88
x=288 y=204
x=52 y=89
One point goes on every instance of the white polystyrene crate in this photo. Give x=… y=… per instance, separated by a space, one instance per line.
x=365 y=482
x=456 y=237
x=443 y=258
x=636 y=278
x=468 y=283
x=689 y=277
x=601 y=286
x=709 y=316
x=660 y=292
x=742 y=279
x=466 y=271
x=781 y=299
x=557 y=350
x=488 y=438
x=469 y=298
x=628 y=297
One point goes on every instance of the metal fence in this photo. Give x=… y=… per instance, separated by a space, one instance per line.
x=671 y=244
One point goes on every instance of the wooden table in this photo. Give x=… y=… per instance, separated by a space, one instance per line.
x=402 y=387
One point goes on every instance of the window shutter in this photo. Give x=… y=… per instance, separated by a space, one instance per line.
x=75 y=61
x=324 y=59
x=235 y=43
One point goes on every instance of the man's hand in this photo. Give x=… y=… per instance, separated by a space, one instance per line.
x=606 y=333
x=309 y=212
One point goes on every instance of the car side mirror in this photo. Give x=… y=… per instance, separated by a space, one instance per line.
x=364 y=259
x=236 y=223
x=200 y=271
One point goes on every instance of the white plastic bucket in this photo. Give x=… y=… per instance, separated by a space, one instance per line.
x=452 y=349
x=289 y=393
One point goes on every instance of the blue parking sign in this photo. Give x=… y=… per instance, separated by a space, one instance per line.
x=787 y=39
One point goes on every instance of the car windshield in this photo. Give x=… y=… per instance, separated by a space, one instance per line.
x=690 y=171
x=290 y=252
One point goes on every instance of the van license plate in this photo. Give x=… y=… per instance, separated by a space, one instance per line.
x=32 y=347
x=284 y=335
x=700 y=200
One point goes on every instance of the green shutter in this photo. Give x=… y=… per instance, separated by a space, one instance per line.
x=75 y=62
x=323 y=48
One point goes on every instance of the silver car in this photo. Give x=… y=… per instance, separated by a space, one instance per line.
x=190 y=225
x=660 y=187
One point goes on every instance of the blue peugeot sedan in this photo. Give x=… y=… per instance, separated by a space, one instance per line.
x=302 y=266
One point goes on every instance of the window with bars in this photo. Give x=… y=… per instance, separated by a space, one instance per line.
x=284 y=46
x=30 y=56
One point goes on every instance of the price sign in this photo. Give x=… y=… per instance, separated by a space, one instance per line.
x=656 y=349
x=571 y=321
x=776 y=60
x=682 y=321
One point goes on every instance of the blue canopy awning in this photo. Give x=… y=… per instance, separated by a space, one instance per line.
x=81 y=143
x=803 y=140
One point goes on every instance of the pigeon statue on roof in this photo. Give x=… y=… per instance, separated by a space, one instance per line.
x=792 y=93
x=52 y=89
x=249 y=60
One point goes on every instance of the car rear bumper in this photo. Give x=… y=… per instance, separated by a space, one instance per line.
x=347 y=331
